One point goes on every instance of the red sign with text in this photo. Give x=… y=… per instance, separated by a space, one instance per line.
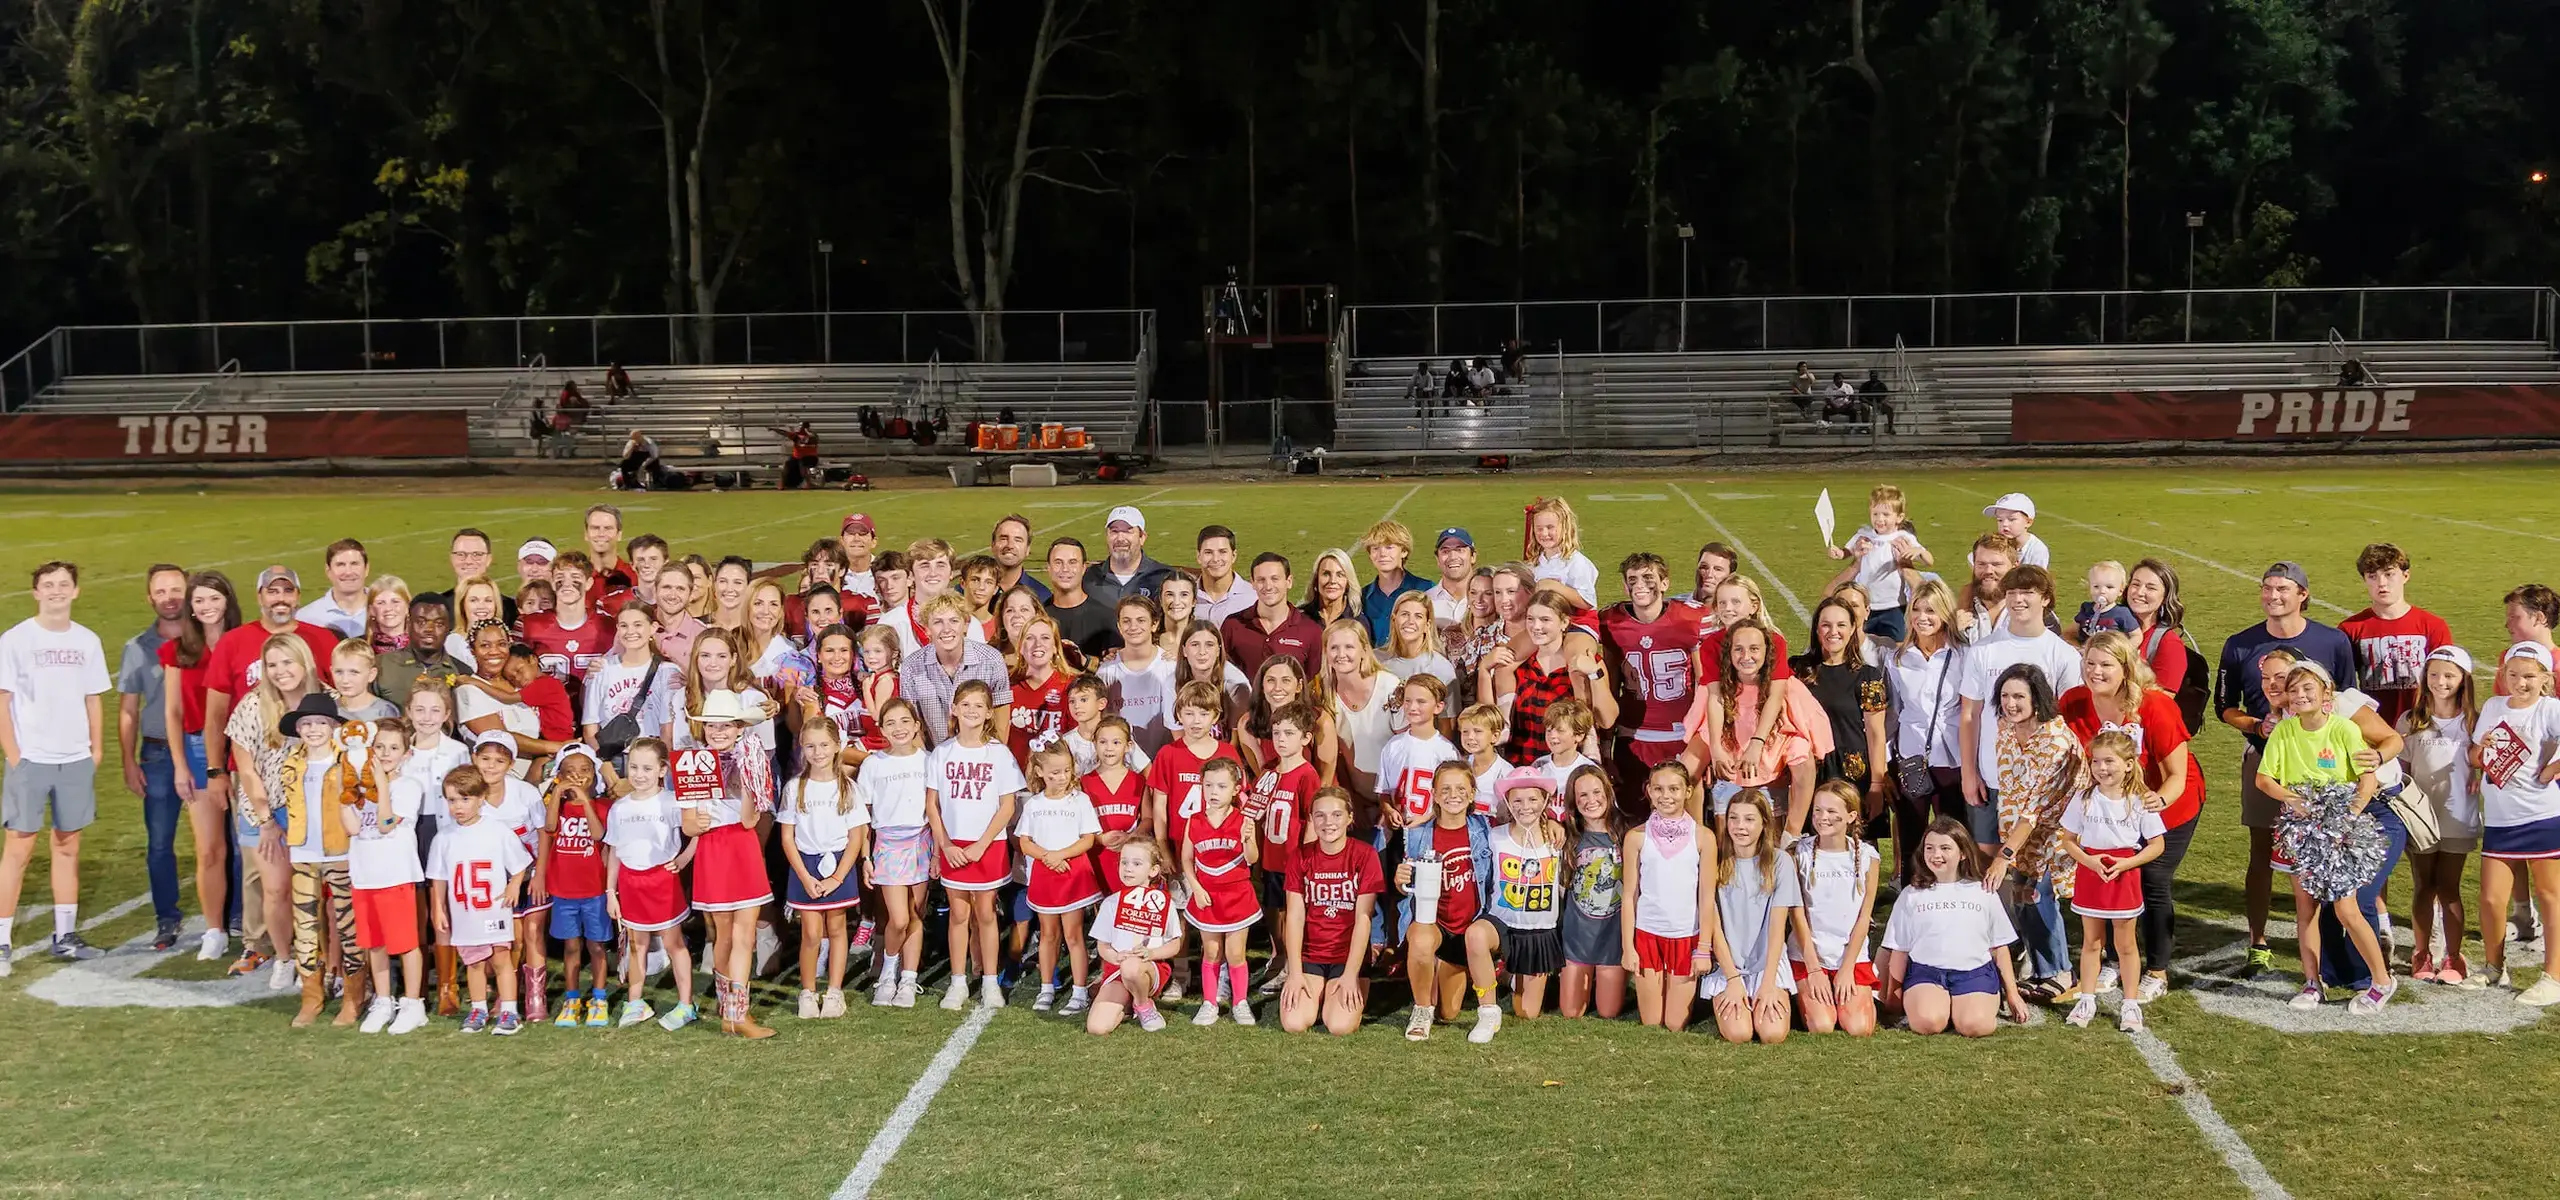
x=2287 y=415
x=203 y=437
x=696 y=777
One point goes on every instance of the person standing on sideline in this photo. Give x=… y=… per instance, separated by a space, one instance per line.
x=2240 y=698
x=340 y=610
x=150 y=771
x=2392 y=637
x=52 y=735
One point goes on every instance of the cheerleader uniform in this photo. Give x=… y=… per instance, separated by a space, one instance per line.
x=1054 y=823
x=2111 y=829
x=2519 y=814
x=1832 y=882
x=822 y=824
x=1227 y=900
x=1118 y=810
x=972 y=781
x=1524 y=903
x=646 y=834
x=1667 y=895
x=728 y=862
x=891 y=787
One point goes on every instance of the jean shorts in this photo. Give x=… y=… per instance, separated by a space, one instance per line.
x=1983 y=980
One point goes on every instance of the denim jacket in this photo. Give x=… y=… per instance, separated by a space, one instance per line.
x=1417 y=847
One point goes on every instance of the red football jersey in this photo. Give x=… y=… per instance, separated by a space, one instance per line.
x=565 y=654
x=1656 y=670
x=1175 y=771
x=1278 y=805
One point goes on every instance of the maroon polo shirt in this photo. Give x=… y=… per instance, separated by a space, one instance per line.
x=1298 y=637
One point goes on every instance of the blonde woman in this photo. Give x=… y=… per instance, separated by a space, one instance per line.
x=386 y=614
x=1364 y=702
x=286 y=674
x=1413 y=641
x=475 y=600
x=1329 y=589
x=2117 y=692
x=1922 y=674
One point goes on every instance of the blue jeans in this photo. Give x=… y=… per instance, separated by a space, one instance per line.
x=2040 y=929
x=2340 y=965
x=161 y=809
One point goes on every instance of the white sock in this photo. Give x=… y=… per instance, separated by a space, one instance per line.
x=906 y=977
x=1080 y=992
x=889 y=966
x=506 y=1006
x=66 y=918
x=5 y=923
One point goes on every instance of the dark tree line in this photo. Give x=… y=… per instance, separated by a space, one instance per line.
x=170 y=160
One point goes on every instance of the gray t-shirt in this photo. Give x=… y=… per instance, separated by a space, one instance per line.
x=1744 y=908
x=138 y=673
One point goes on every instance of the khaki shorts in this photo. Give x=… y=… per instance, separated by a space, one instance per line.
x=2257 y=809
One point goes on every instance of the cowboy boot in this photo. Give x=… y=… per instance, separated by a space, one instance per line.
x=746 y=1026
x=537 y=1005
x=448 y=982
x=351 y=999
x=315 y=993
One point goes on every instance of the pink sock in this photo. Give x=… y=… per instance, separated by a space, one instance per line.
x=1208 y=982
x=1238 y=984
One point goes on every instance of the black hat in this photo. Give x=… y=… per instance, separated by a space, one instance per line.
x=317 y=704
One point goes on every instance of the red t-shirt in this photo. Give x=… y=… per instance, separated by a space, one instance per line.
x=1331 y=885
x=1457 y=879
x=1654 y=672
x=2158 y=731
x=1039 y=716
x=2391 y=656
x=233 y=667
x=549 y=700
x=577 y=862
x=190 y=689
x=1711 y=657
x=565 y=654
x=1175 y=771
x=1278 y=803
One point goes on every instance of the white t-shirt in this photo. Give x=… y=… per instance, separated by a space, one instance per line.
x=2514 y=743
x=1436 y=665
x=1143 y=696
x=645 y=831
x=816 y=826
x=857 y=581
x=1087 y=758
x=2438 y=751
x=473 y=863
x=1575 y=572
x=1879 y=568
x=891 y=787
x=1053 y=823
x=379 y=857
x=1405 y=768
x=1370 y=730
x=1109 y=928
x=470 y=704
x=2031 y=553
x=429 y=765
x=1984 y=662
x=1951 y=926
x=2104 y=822
x=521 y=811
x=1744 y=909
x=49 y=676
x=1834 y=879
x=971 y=781
x=1526 y=892
x=611 y=687
x=318 y=809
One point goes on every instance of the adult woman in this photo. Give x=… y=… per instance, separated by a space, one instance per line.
x=699 y=570
x=475 y=600
x=386 y=614
x=777 y=664
x=1200 y=654
x=2116 y=692
x=1364 y=702
x=1731 y=747
x=1329 y=588
x=212 y=610
x=2040 y=769
x=1281 y=683
x=614 y=683
x=1040 y=676
x=729 y=584
x=2151 y=591
x=487 y=701
x=1851 y=694
x=1413 y=641
x=1523 y=685
x=1478 y=631
x=1871 y=648
x=258 y=745
x=1014 y=610
x=1921 y=676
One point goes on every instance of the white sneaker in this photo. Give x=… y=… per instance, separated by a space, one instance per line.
x=1075 y=1005
x=2129 y=1017
x=5 y=965
x=886 y=993
x=958 y=997
x=1488 y=1023
x=2305 y=1000
x=1047 y=999
x=377 y=1014
x=2153 y=987
x=281 y=976
x=1172 y=991
x=2544 y=993
x=1241 y=1012
x=409 y=1016
x=2370 y=1001
x=990 y=993
x=212 y=946
x=768 y=944
x=808 y=1006
x=2108 y=978
x=2083 y=1011
x=906 y=997
x=1208 y=1014
x=1418 y=1026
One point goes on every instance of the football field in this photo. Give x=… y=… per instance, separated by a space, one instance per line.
x=143 y=1074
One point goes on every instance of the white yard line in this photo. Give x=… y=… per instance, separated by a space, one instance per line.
x=1398 y=506
x=2045 y=514
x=40 y=916
x=1082 y=513
x=1740 y=547
x=2217 y=1132
x=910 y=1111
x=2402 y=512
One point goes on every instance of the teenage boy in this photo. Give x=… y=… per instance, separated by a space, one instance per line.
x=1652 y=644
x=1390 y=546
x=2240 y=698
x=2391 y=636
x=53 y=734
x=648 y=558
x=1221 y=592
x=570 y=638
x=2026 y=596
x=341 y=609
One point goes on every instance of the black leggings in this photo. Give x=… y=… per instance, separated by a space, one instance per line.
x=2159 y=916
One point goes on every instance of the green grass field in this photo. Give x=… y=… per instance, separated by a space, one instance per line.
x=227 y=1100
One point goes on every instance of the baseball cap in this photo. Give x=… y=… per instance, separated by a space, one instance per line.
x=537 y=548
x=1464 y=538
x=2287 y=570
x=1126 y=515
x=2452 y=654
x=2016 y=502
x=858 y=523
x=494 y=737
x=2533 y=650
x=279 y=574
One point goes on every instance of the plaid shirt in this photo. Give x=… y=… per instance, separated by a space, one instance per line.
x=922 y=680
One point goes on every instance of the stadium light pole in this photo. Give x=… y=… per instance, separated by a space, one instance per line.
x=1688 y=233
x=2195 y=221
x=364 y=276
x=827 y=323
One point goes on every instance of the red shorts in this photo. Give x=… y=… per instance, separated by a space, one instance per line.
x=985 y=875
x=1865 y=975
x=1111 y=971
x=387 y=918
x=1673 y=956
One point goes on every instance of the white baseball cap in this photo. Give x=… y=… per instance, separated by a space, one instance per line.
x=537 y=548
x=494 y=737
x=2452 y=654
x=1126 y=515
x=2533 y=650
x=2015 y=502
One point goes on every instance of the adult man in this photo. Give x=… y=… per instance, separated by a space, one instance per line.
x=614 y=577
x=142 y=735
x=52 y=734
x=533 y=563
x=1651 y=644
x=1087 y=622
x=1877 y=398
x=648 y=558
x=1994 y=554
x=429 y=621
x=341 y=609
x=932 y=672
x=1715 y=565
x=1009 y=545
x=1221 y=592
x=2026 y=598
x=1390 y=546
x=1126 y=570
x=1272 y=625
x=2240 y=698
x=568 y=639
x=676 y=627
x=469 y=556
x=1456 y=550
x=234 y=665
x=859 y=539
x=2391 y=636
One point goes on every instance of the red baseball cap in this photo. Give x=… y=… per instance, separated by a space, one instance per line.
x=857 y=521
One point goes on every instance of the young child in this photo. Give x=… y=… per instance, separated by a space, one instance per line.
x=1057 y=834
x=645 y=855
x=1528 y=863
x=382 y=868
x=572 y=865
x=970 y=787
x=352 y=670
x=2110 y=834
x=1835 y=980
x=544 y=694
x=2436 y=734
x=1277 y=806
x=1756 y=900
x=1410 y=762
x=478 y=868
x=878 y=645
x=1450 y=944
x=518 y=805
x=1887 y=552
x=2013 y=516
x=1173 y=778
x=1086 y=709
x=1555 y=544
x=1332 y=885
x=1480 y=747
x=2309 y=757
x=1594 y=977
x=893 y=785
x=1137 y=932
x=1118 y=792
x=1218 y=852
x=1670 y=894
x=2105 y=608
x=1569 y=723
x=825 y=830
x=721 y=813
x=433 y=754
x=1947 y=965
x=316 y=843
x=2519 y=812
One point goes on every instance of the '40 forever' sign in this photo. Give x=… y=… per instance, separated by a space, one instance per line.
x=697 y=776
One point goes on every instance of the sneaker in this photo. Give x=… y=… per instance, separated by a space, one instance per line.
x=2307 y=999
x=885 y=994
x=2453 y=971
x=281 y=977
x=2129 y=1017
x=2262 y=962
x=990 y=993
x=2544 y=993
x=862 y=939
x=2155 y=984
x=2108 y=978
x=249 y=963
x=1488 y=1023
x=1074 y=1006
x=768 y=944
x=1152 y=1020
x=635 y=1012
x=476 y=1020
x=212 y=946
x=508 y=1025
x=906 y=997
x=831 y=1004
x=408 y=1016
x=377 y=1014
x=808 y=1005
x=2422 y=966
x=5 y=966
x=2503 y=979
x=599 y=1012
x=1047 y=999
x=1208 y=1014
x=1241 y=1013
x=2370 y=1001
x=573 y=1012
x=1418 y=1026
x=2083 y=1011
x=677 y=1018
x=958 y=997
x=1172 y=992
x=167 y=936
x=71 y=947
x=1271 y=984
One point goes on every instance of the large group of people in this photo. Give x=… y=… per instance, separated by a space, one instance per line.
x=1113 y=780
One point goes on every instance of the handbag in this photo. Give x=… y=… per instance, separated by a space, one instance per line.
x=2418 y=813
x=614 y=738
x=1911 y=772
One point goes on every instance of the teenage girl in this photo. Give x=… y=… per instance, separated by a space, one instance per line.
x=1732 y=742
x=1218 y=852
x=645 y=853
x=1452 y=945
x=1756 y=898
x=2519 y=811
x=2436 y=735
x=1528 y=864
x=1670 y=865
x=1835 y=980
x=892 y=787
x=1947 y=963
x=1137 y=931
x=2110 y=833
x=1057 y=834
x=1594 y=977
x=1141 y=678
x=825 y=830
x=970 y=787
x=1333 y=889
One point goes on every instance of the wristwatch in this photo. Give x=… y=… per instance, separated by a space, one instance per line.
x=217 y=772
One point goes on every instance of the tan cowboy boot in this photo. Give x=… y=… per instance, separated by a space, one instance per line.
x=315 y=993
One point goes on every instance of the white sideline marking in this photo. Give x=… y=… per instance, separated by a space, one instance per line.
x=1740 y=547
x=902 y=1121
x=2044 y=514
x=44 y=913
x=2218 y=1133
x=1090 y=509
x=1398 y=506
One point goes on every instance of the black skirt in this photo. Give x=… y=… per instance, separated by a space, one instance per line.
x=1532 y=951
